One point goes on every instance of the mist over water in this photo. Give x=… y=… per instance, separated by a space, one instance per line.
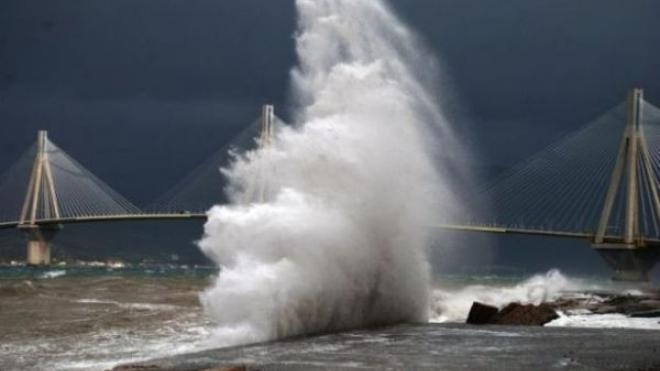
x=341 y=237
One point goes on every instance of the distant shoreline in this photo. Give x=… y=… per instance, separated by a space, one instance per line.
x=103 y=264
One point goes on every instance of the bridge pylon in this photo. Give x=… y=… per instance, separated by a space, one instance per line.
x=40 y=202
x=626 y=252
x=257 y=190
x=267 y=125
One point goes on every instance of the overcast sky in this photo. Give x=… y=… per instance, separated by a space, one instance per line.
x=141 y=91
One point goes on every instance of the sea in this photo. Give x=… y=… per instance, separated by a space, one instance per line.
x=93 y=318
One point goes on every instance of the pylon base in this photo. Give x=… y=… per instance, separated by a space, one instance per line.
x=629 y=264
x=38 y=245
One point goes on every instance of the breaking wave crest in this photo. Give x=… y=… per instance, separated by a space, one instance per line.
x=339 y=240
x=52 y=274
x=454 y=305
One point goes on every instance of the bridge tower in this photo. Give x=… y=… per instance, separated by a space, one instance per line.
x=626 y=252
x=257 y=189
x=40 y=203
x=267 y=125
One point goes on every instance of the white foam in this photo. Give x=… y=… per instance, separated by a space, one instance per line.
x=52 y=274
x=340 y=238
x=453 y=305
x=615 y=320
x=104 y=350
x=140 y=306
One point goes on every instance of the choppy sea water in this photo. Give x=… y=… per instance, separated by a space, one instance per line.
x=95 y=318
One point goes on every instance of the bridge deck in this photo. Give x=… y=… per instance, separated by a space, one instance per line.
x=109 y=218
x=201 y=216
x=609 y=239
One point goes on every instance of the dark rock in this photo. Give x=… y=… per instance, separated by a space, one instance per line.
x=642 y=305
x=624 y=299
x=646 y=314
x=138 y=368
x=481 y=314
x=651 y=303
x=530 y=315
x=627 y=304
x=602 y=309
x=149 y=367
x=568 y=303
x=615 y=303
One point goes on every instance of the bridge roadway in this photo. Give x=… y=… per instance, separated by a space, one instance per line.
x=108 y=218
x=202 y=216
x=608 y=239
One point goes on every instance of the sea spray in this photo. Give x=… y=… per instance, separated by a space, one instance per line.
x=339 y=240
x=453 y=305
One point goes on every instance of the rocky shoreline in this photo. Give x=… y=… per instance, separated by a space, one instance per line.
x=634 y=305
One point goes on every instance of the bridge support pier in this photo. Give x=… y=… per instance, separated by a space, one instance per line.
x=38 y=245
x=630 y=264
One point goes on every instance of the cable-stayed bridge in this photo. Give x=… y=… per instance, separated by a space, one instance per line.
x=47 y=189
x=599 y=184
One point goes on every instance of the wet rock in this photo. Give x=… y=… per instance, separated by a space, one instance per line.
x=628 y=304
x=138 y=368
x=148 y=367
x=568 y=303
x=646 y=314
x=512 y=314
x=481 y=314
x=529 y=315
x=652 y=303
x=625 y=299
x=645 y=304
x=602 y=309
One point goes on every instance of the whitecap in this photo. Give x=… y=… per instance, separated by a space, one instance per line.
x=52 y=274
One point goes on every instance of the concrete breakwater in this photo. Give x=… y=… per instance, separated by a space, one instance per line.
x=436 y=346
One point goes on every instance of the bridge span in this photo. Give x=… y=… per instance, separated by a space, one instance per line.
x=57 y=191
x=46 y=223
x=598 y=184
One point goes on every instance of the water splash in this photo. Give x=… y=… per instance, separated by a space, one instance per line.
x=340 y=240
x=52 y=274
x=453 y=305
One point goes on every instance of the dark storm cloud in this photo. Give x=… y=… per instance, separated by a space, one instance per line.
x=543 y=58
x=141 y=91
x=535 y=70
x=229 y=50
